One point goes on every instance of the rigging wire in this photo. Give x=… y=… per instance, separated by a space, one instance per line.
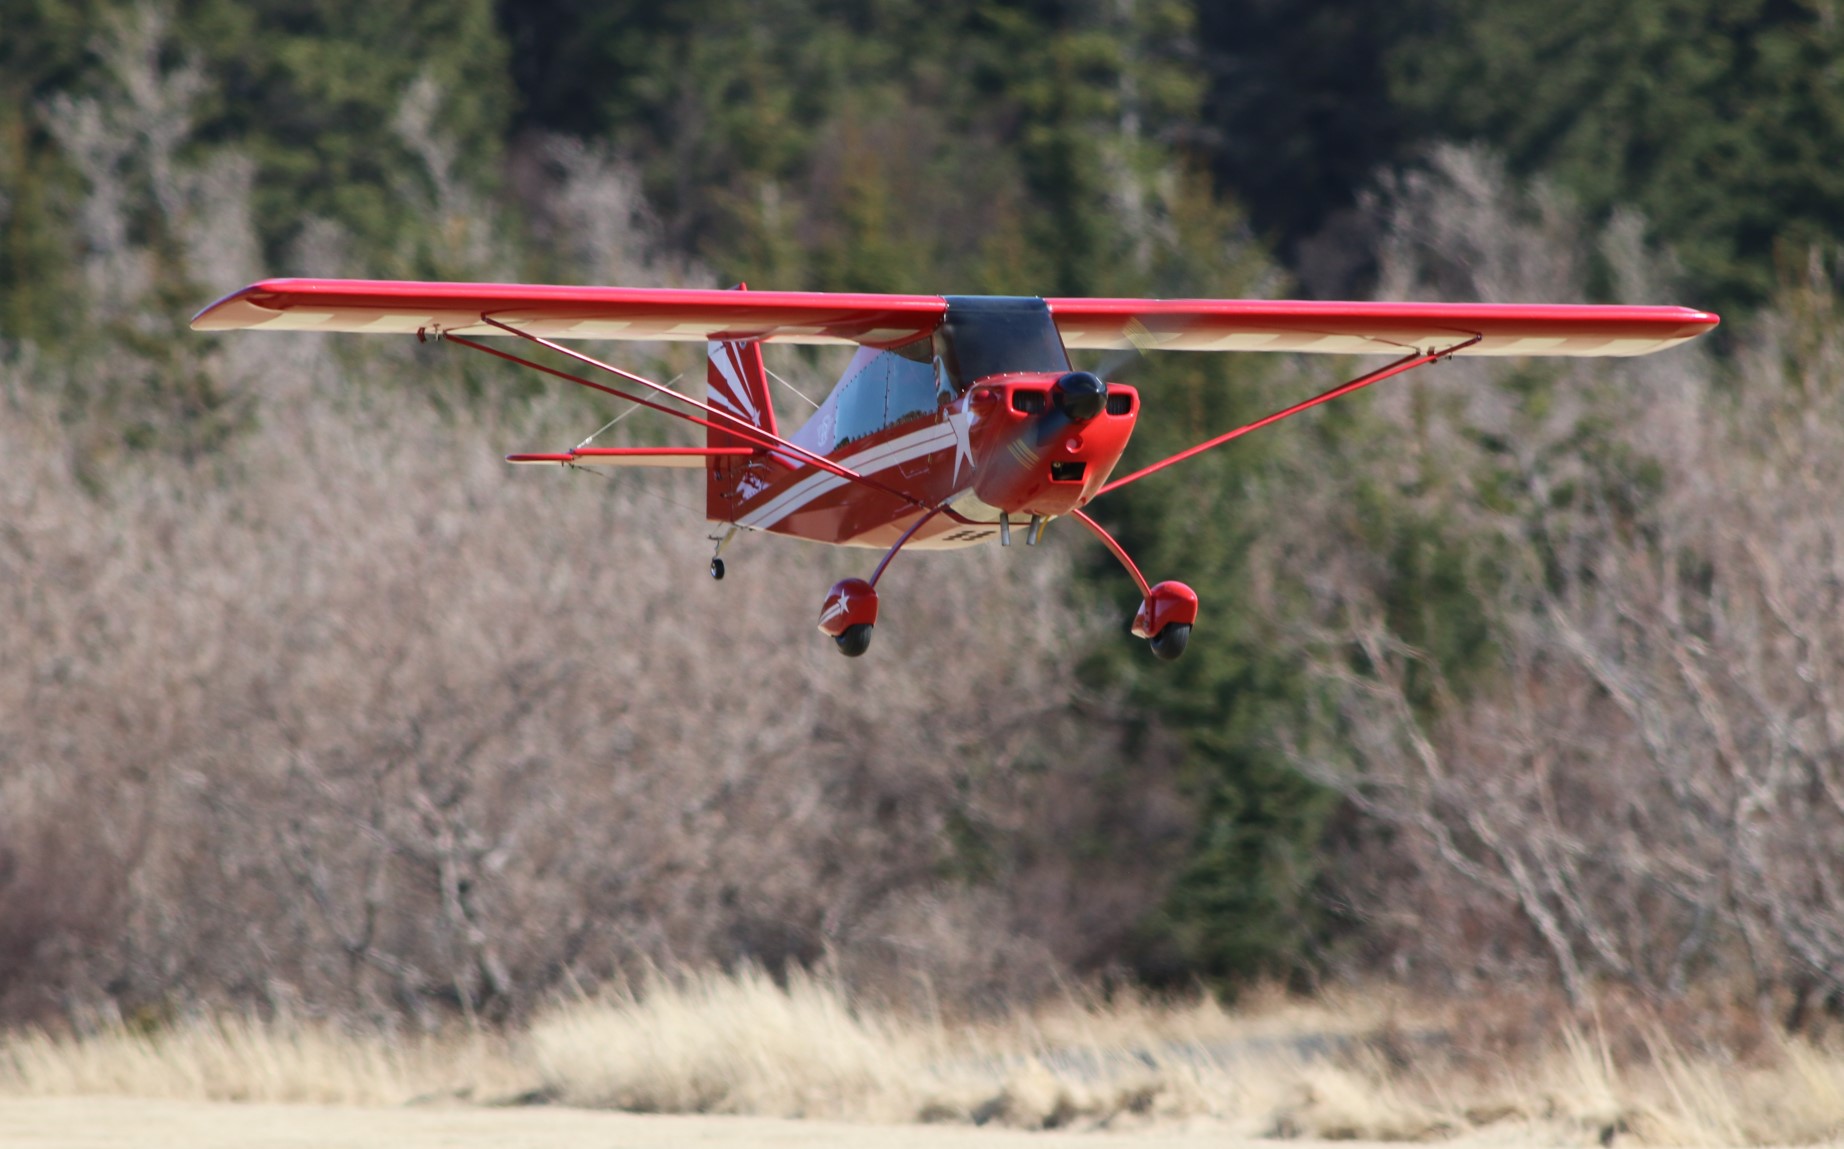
x=632 y=407
x=797 y=391
x=636 y=486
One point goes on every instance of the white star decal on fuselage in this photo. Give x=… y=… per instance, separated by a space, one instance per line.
x=960 y=420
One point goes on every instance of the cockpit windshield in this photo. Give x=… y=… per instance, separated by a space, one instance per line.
x=987 y=335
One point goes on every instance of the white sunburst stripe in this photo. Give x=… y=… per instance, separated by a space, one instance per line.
x=734 y=395
x=880 y=458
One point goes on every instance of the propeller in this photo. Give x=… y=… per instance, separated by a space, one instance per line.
x=1079 y=395
x=1076 y=397
x=1128 y=359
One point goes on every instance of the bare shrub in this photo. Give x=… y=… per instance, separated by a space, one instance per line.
x=359 y=720
x=317 y=707
x=585 y=201
x=1643 y=785
x=125 y=145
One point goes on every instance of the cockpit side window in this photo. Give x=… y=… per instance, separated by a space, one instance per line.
x=912 y=388
x=860 y=397
x=882 y=388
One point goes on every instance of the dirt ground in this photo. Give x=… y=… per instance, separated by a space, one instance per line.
x=94 y=1122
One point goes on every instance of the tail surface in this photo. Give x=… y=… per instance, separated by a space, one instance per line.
x=737 y=384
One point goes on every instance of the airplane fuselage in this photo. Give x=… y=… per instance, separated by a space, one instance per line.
x=988 y=451
x=985 y=418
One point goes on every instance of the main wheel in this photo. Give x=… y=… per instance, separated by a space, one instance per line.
x=855 y=641
x=1170 y=642
x=717 y=569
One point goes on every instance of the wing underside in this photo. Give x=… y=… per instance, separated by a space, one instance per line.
x=397 y=307
x=1309 y=326
x=1367 y=328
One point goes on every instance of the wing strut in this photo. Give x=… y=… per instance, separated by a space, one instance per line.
x=729 y=425
x=1120 y=552
x=1406 y=363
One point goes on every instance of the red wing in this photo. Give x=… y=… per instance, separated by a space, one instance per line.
x=558 y=312
x=1373 y=328
x=405 y=307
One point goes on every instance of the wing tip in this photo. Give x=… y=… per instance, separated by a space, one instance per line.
x=233 y=312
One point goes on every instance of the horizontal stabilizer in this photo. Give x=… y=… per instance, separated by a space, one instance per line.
x=635 y=456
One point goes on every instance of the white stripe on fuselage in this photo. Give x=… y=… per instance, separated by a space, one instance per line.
x=880 y=458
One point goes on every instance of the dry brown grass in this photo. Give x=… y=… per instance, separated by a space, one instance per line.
x=241 y=1059
x=744 y=1045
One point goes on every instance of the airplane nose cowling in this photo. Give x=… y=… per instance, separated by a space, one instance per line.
x=1081 y=395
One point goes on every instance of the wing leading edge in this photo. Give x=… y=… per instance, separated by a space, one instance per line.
x=1311 y=326
x=1359 y=328
x=404 y=307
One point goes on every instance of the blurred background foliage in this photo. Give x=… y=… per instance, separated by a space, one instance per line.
x=1132 y=147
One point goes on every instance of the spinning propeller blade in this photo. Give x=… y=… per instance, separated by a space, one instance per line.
x=1127 y=360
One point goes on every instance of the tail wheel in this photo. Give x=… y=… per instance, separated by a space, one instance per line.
x=855 y=641
x=717 y=569
x=1171 y=640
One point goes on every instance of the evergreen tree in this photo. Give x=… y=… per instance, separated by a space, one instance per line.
x=1721 y=120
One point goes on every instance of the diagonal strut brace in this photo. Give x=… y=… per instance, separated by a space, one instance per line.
x=730 y=425
x=1406 y=363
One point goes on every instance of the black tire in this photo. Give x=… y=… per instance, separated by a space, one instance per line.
x=1171 y=640
x=855 y=641
x=717 y=569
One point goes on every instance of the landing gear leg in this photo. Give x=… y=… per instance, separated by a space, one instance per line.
x=850 y=609
x=717 y=562
x=1167 y=610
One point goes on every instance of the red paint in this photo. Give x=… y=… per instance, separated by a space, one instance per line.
x=1022 y=452
x=1165 y=603
x=558 y=310
x=1407 y=363
x=739 y=430
x=1117 y=550
x=898 y=545
x=899 y=456
x=1360 y=327
x=887 y=320
x=851 y=602
x=662 y=452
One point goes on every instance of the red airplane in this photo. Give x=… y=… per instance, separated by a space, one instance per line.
x=957 y=416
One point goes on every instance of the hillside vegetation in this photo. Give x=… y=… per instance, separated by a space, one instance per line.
x=1509 y=672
